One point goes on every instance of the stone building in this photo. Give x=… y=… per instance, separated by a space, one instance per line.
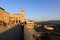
x=14 y=19
x=29 y=23
x=9 y=18
x=28 y=29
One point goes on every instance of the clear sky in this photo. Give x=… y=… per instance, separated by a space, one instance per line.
x=38 y=10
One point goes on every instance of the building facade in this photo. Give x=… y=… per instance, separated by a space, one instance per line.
x=10 y=18
x=28 y=29
x=29 y=23
x=14 y=19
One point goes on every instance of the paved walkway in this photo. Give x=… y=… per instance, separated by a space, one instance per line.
x=15 y=33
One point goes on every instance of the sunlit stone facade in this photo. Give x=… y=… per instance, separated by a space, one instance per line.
x=10 y=18
x=14 y=19
x=29 y=24
x=28 y=31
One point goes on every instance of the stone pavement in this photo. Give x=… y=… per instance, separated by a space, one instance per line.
x=15 y=33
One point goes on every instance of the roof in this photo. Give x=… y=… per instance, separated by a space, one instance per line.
x=1 y=8
x=28 y=20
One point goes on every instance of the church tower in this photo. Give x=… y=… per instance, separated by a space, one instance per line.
x=22 y=14
x=22 y=10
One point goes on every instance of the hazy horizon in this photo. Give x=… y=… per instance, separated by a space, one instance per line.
x=37 y=10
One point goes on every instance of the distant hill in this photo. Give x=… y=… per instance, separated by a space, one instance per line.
x=49 y=22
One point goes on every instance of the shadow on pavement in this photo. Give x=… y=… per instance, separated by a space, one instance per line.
x=16 y=33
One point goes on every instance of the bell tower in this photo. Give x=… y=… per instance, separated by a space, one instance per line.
x=22 y=10
x=22 y=14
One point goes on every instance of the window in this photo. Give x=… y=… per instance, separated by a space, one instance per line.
x=19 y=21
x=22 y=10
x=16 y=21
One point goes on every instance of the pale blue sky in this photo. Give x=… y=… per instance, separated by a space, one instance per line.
x=38 y=10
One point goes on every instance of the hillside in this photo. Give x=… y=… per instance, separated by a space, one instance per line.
x=49 y=22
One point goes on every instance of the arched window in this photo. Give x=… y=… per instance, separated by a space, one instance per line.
x=25 y=22
x=22 y=10
x=19 y=21
x=16 y=21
